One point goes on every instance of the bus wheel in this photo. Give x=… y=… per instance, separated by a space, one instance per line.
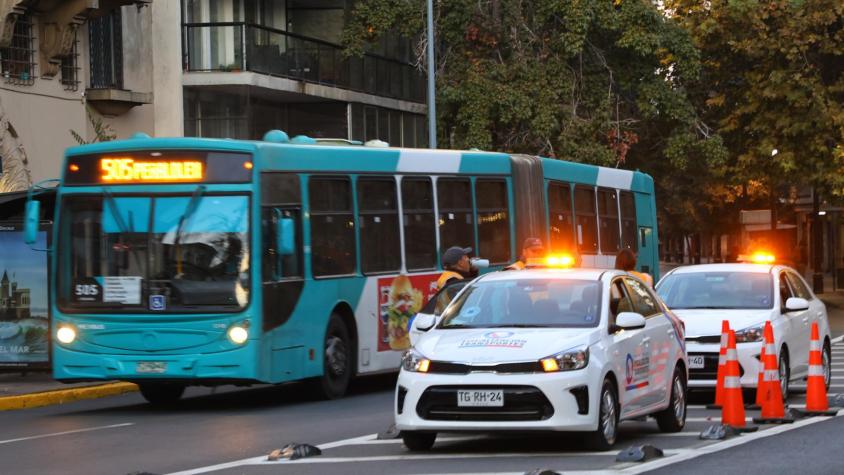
x=161 y=394
x=337 y=360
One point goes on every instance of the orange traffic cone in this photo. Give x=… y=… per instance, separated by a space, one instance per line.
x=732 y=414
x=722 y=360
x=773 y=408
x=816 y=401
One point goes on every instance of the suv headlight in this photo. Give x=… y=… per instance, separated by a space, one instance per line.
x=568 y=360
x=413 y=361
x=750 y=334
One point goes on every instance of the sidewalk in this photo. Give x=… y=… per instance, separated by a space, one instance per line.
x=36 y=389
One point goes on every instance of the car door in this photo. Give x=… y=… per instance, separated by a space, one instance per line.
x=658 y=340
x=816 y=312
x=628 y=350
x=797 y=329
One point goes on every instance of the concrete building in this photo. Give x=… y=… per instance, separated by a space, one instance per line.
x=208 y=68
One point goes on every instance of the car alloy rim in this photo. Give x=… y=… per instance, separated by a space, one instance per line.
x=783 y=377
x=335 y=355
x=679 y=401
x=827 y=371
x=608 y=416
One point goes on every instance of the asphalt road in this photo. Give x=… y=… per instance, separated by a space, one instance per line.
x=231 y=431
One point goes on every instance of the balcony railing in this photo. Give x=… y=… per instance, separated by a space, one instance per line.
x=238 y=46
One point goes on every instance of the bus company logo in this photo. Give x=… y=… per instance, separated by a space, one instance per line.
x=497 y=339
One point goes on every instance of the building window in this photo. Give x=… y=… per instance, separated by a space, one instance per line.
x=457 y=227
x=70 y=67
x=493 y=220
x=105 y=35
x=608 y=213
x=379 y=225
x=585 y=219
x=559 y=217
x=420 y=238
x=18 y=58
x=332 y=226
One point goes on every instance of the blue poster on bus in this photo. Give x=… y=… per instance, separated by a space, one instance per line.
x=24 y=315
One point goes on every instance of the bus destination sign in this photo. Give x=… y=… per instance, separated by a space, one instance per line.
x=126 y=169
x=159 y=167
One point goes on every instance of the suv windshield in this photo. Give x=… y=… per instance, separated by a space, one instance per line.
x=168 y=253
x=525 y=303
x=717 y=290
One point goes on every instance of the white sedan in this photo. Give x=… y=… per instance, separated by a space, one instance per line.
x=544 y=350
x=747 y=295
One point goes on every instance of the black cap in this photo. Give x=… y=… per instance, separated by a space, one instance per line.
x=532 y=242
x=453 y=255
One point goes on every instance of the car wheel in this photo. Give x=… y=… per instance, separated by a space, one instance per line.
x=827 y=366
x=418 y=440
x=673 y=418
x=161 y=394
x=336 y=361
x=785 y=374
x=604 y=437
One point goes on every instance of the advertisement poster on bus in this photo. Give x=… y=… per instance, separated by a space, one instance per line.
x=24 y=316
x=399 y=298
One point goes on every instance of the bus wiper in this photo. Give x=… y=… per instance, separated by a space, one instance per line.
x=193 y=205
x=115 y=211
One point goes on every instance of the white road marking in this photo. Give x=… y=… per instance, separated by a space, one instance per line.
x=67 y=432
x=711 y=419
x=399 y=441
x=727 y=444
x=837 y=339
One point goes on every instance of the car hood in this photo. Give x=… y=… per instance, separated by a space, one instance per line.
x=501 y=345
x=707 y=322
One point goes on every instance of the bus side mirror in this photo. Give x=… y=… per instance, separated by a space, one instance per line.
x=32 y=217
x=286 y=233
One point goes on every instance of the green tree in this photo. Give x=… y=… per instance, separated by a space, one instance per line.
x=590 y=81
x=102 y=131
x=772 y=79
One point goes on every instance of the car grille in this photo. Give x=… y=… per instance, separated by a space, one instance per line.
x=710 y=367
x=705 y=339
x=521 y=403
x=444 y=367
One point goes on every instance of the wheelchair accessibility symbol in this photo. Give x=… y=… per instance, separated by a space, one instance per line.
x=157 y=302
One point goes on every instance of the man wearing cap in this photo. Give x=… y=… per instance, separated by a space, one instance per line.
x=531 y=249
x=456 y=265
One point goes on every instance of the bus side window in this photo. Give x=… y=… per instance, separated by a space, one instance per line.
x=560 y=216
x=608 y=214
x=454 y=199
x=628 y=221
x=379 y=225
x=281 y=197
x=420 y=233
x=585 y=220
x=493 y=220
x=332 y=226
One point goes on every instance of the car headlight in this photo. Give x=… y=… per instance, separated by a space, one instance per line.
x=750 y=334
x=569 y=360
x=415 y=362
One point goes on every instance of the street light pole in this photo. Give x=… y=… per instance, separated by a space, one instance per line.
x=432 y=105
x=817 y=244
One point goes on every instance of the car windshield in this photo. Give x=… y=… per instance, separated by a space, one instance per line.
x=717 y=290
x=142 y=253
x=525 y=303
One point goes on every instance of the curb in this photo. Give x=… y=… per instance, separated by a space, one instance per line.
x=61 y=396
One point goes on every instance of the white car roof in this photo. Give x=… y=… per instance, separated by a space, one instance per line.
x=545 y=273
x=753 y=268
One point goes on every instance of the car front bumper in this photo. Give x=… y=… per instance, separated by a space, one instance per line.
x=707 y=377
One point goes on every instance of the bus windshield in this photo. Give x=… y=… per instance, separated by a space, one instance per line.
x=154 y=253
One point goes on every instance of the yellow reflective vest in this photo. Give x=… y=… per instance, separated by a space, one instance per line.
x=446 y=276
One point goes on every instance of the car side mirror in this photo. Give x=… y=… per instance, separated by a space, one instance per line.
x=32 y=215
x=424 y=322
x=630 y=321
x=796 y=304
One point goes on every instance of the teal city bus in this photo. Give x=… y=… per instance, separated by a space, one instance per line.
x=187 y=261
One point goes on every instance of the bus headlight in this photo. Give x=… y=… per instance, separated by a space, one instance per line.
x=66 y=334
x=238 y=334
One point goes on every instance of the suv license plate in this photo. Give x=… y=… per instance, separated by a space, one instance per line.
x=156 y=367
x=696 y=362
x=480 y=398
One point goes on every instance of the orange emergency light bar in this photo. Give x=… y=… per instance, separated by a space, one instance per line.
x=560 y=260
x=761 y=257
x=129 y=170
